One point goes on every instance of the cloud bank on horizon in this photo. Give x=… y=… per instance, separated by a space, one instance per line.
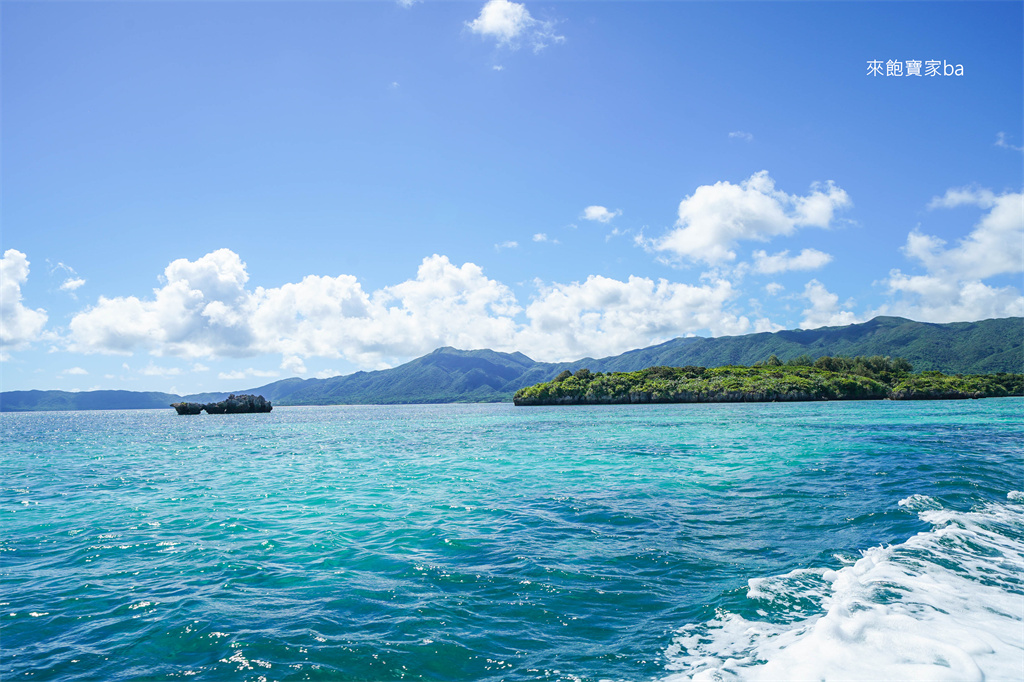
x=206 y=308
x=596 y=191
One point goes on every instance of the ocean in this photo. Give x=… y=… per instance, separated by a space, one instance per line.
x=808 y=541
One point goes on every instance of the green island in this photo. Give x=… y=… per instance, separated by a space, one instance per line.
x=799 y=379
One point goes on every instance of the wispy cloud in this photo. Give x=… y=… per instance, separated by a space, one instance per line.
x=152 y=370
x=741 y=135
x=246 y=373
x=1001 y=142
x=506 y=245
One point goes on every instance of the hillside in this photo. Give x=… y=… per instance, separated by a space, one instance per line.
x=451 y=375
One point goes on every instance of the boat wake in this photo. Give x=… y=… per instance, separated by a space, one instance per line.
x=947 y=604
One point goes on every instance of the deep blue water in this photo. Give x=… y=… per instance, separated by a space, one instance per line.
x=487 y=542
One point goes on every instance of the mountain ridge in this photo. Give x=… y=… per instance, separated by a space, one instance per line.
x=452 y=375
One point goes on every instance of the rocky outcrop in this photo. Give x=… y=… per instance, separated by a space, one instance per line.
x=188 y=408
x=234 y=404
x=239 y=404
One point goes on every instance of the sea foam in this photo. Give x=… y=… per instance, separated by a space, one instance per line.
x=947 y=604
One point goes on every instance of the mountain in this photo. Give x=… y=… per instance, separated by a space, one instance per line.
x=954 y=348
x=22 y=401
x=451 y=375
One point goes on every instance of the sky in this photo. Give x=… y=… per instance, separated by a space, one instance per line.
x=210 y=196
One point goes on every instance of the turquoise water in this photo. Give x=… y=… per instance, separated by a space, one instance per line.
x=487 y=542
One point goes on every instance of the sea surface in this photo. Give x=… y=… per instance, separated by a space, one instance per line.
x=835 y=540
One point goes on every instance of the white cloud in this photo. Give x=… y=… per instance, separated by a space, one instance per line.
x=763 y=324
x=498 y=67
x=75 y=371
x=542 y=237
x=245 y=374
x=964 y=196
x=152 y=370
x=931 y=298
x=506 y=245
x=599 y=213
x=294 y=365
x=327 y=373
x=807 y=259
x=510 y=24
x=200 y=367
x=995 y=246
x=204 y=310
x=951 y=289
x=72 y=283
x=19 y=326
x=825 y=309
x=1001 y=142
x=715 y=218
x=773 y=288
x=407 y=3
x=740 y=135
x=603 y=316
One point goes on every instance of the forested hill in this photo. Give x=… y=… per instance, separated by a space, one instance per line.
x=451 y=375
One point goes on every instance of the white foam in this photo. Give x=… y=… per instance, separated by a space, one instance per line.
x=947 y=604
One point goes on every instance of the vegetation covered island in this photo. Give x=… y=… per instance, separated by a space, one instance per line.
x=799 y=379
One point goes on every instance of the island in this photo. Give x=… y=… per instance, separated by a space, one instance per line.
x=233 y=404
x=799 y=379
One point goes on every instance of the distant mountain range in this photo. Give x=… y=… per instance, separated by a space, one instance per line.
x=451 y=375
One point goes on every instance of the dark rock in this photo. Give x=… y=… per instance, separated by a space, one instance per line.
x=239 y=404
x=188 y=408
x=234 y=404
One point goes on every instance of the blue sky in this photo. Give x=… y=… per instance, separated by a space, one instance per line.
x=209 y=196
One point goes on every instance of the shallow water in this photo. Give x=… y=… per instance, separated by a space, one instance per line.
x=487 y=542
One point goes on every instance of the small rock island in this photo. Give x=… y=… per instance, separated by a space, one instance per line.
x=234 y=404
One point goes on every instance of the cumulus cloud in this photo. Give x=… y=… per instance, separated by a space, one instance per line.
x=992 y=247
x=506 y=245
x=203 y=309
x=72 y=283
x=931 y=298
x=19 y=325
x=740 y=135
x=603 y=316
x=510 y=24
x=951 y=289
x=807 y=259
x=78 y=371
x=294 y=364
x=824 y=310
x=773 y=288
x=599 y=214
x=715 y=218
